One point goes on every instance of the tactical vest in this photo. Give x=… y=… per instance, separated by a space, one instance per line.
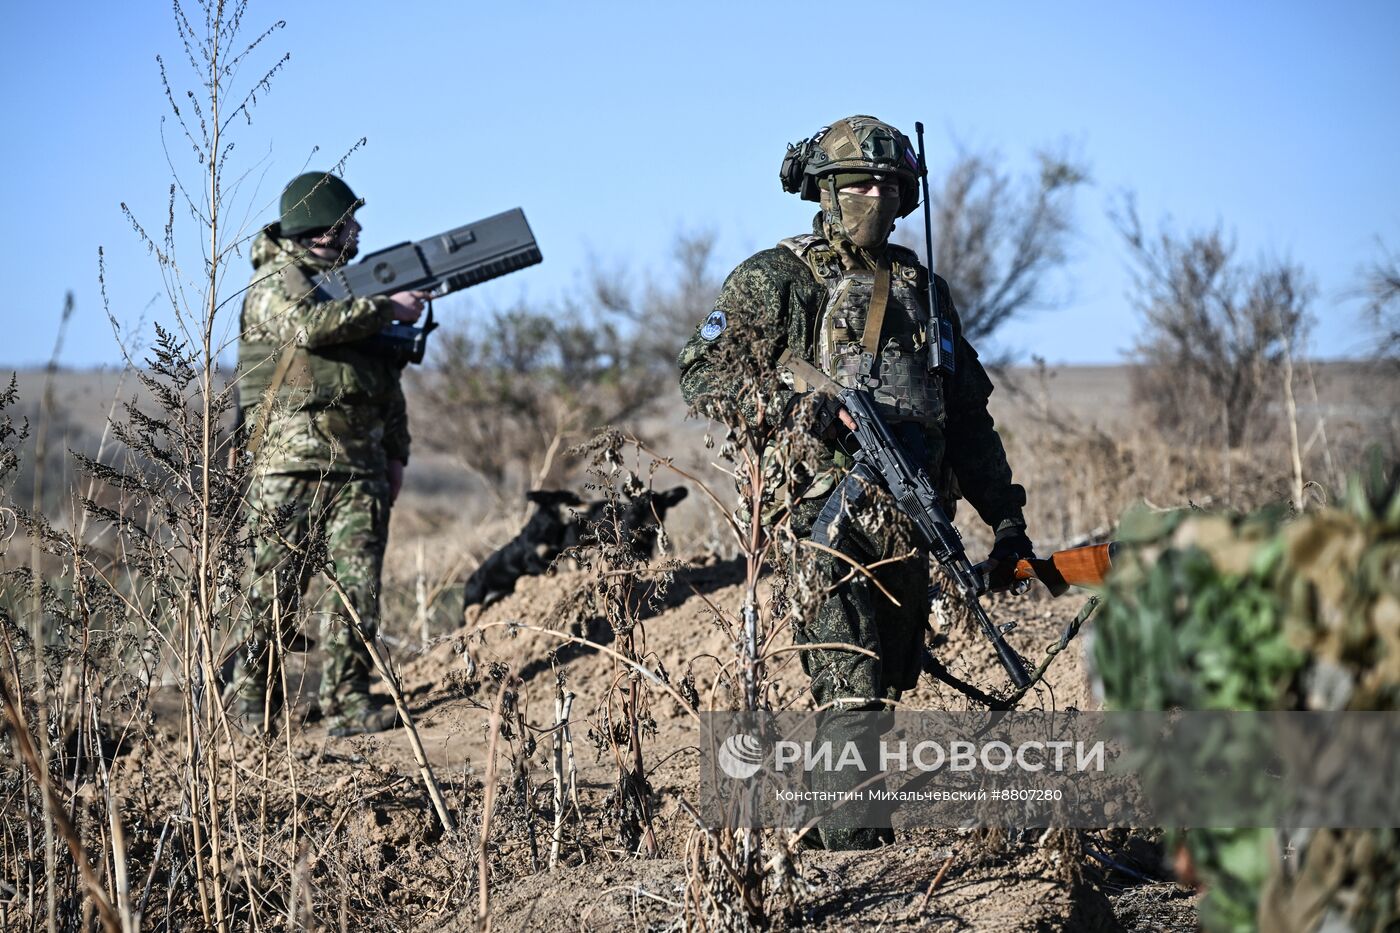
x=893 y=363
x=313 y=378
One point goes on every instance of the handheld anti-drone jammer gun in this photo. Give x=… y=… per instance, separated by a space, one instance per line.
x=442 y=264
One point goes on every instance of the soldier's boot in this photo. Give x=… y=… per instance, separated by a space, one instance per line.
x=362 y=713
x=344 y=698
x=252 y=696
x=858 y=823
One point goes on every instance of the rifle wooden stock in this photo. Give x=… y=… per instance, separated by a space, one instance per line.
x=1079 y=566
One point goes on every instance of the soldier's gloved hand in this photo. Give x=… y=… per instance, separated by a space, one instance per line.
x=1012 y=545
x=827 y=420
x=408 y=306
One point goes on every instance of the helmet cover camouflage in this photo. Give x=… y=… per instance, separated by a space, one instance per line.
x=853 y=149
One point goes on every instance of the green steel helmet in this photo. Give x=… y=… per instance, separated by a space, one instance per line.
x=853 y=150
x=314 y=202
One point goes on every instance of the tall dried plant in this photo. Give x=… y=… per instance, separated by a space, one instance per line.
x=1000 y=239
x=115 y=630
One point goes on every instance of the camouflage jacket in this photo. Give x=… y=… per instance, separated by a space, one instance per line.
x=774 y=296
x=339 y=409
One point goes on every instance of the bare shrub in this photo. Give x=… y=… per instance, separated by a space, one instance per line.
x=1217 y=332
x=625 y=588
x=507 y=396
x=665 y=309
x=510 y=390
x=1381 y=287
x=729 y=884
x=996 y=239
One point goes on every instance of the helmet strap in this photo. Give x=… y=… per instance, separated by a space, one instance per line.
x=833 y=213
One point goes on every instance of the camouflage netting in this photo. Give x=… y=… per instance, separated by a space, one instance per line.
x=1268 y=611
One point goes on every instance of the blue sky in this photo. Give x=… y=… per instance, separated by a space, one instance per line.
x=617 y=125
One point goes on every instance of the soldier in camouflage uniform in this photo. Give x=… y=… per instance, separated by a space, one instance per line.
x=1267 y=611
x=325 y=424
x=847 y=300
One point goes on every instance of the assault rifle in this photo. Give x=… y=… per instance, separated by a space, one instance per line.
x=881 y=461
x=442 y=264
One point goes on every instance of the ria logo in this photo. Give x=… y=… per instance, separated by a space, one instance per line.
x=741 y=756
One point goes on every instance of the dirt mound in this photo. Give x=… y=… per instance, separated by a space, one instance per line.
x=1020 y=886
x=366 y=791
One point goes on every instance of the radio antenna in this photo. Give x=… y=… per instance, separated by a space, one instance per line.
x=942 y=351
x=928 y=223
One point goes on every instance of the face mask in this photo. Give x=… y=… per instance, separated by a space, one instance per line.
x=348 y=241
x=343 y=246
x=868 y=220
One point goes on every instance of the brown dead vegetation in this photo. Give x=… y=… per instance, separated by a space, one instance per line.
x=332 y=828
x=555 y=763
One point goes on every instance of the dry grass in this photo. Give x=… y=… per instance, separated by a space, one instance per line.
x=308 y=828
x=130 y=799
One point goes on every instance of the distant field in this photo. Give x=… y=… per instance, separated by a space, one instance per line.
x=1095 y=396
x=443 y=497
x=1091 y=393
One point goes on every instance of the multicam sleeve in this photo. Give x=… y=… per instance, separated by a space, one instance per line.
x=975 y=451
x=323 y=323
x=279 y=310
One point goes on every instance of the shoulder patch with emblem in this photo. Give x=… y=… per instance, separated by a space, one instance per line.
x=714 y=325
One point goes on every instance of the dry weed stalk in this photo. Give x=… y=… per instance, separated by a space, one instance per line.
x=1291 y=410
x=624 y=589
x=114 y=634
x=488 y=805
x=729 y=885
x=562 y=753
x=391 y=682
x=19 y=733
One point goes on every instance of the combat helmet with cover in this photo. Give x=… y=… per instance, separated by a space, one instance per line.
x=849 y=151
x=314 y=202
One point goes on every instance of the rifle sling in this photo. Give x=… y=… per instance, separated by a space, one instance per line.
x=279 y=375
x=875 y=317
x=805 y=376
x=296 y=282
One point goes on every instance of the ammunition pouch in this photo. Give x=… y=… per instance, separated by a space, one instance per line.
x=874 y=332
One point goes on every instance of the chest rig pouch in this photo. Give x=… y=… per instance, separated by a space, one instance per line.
x=874 y=332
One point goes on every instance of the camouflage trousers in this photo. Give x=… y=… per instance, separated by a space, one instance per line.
x=307 y=520
x=855 y=684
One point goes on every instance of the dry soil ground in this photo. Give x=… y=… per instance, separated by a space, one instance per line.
x=368 y=787
x=1015 y=884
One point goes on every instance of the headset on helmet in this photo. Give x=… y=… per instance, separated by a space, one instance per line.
x=858 y=144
